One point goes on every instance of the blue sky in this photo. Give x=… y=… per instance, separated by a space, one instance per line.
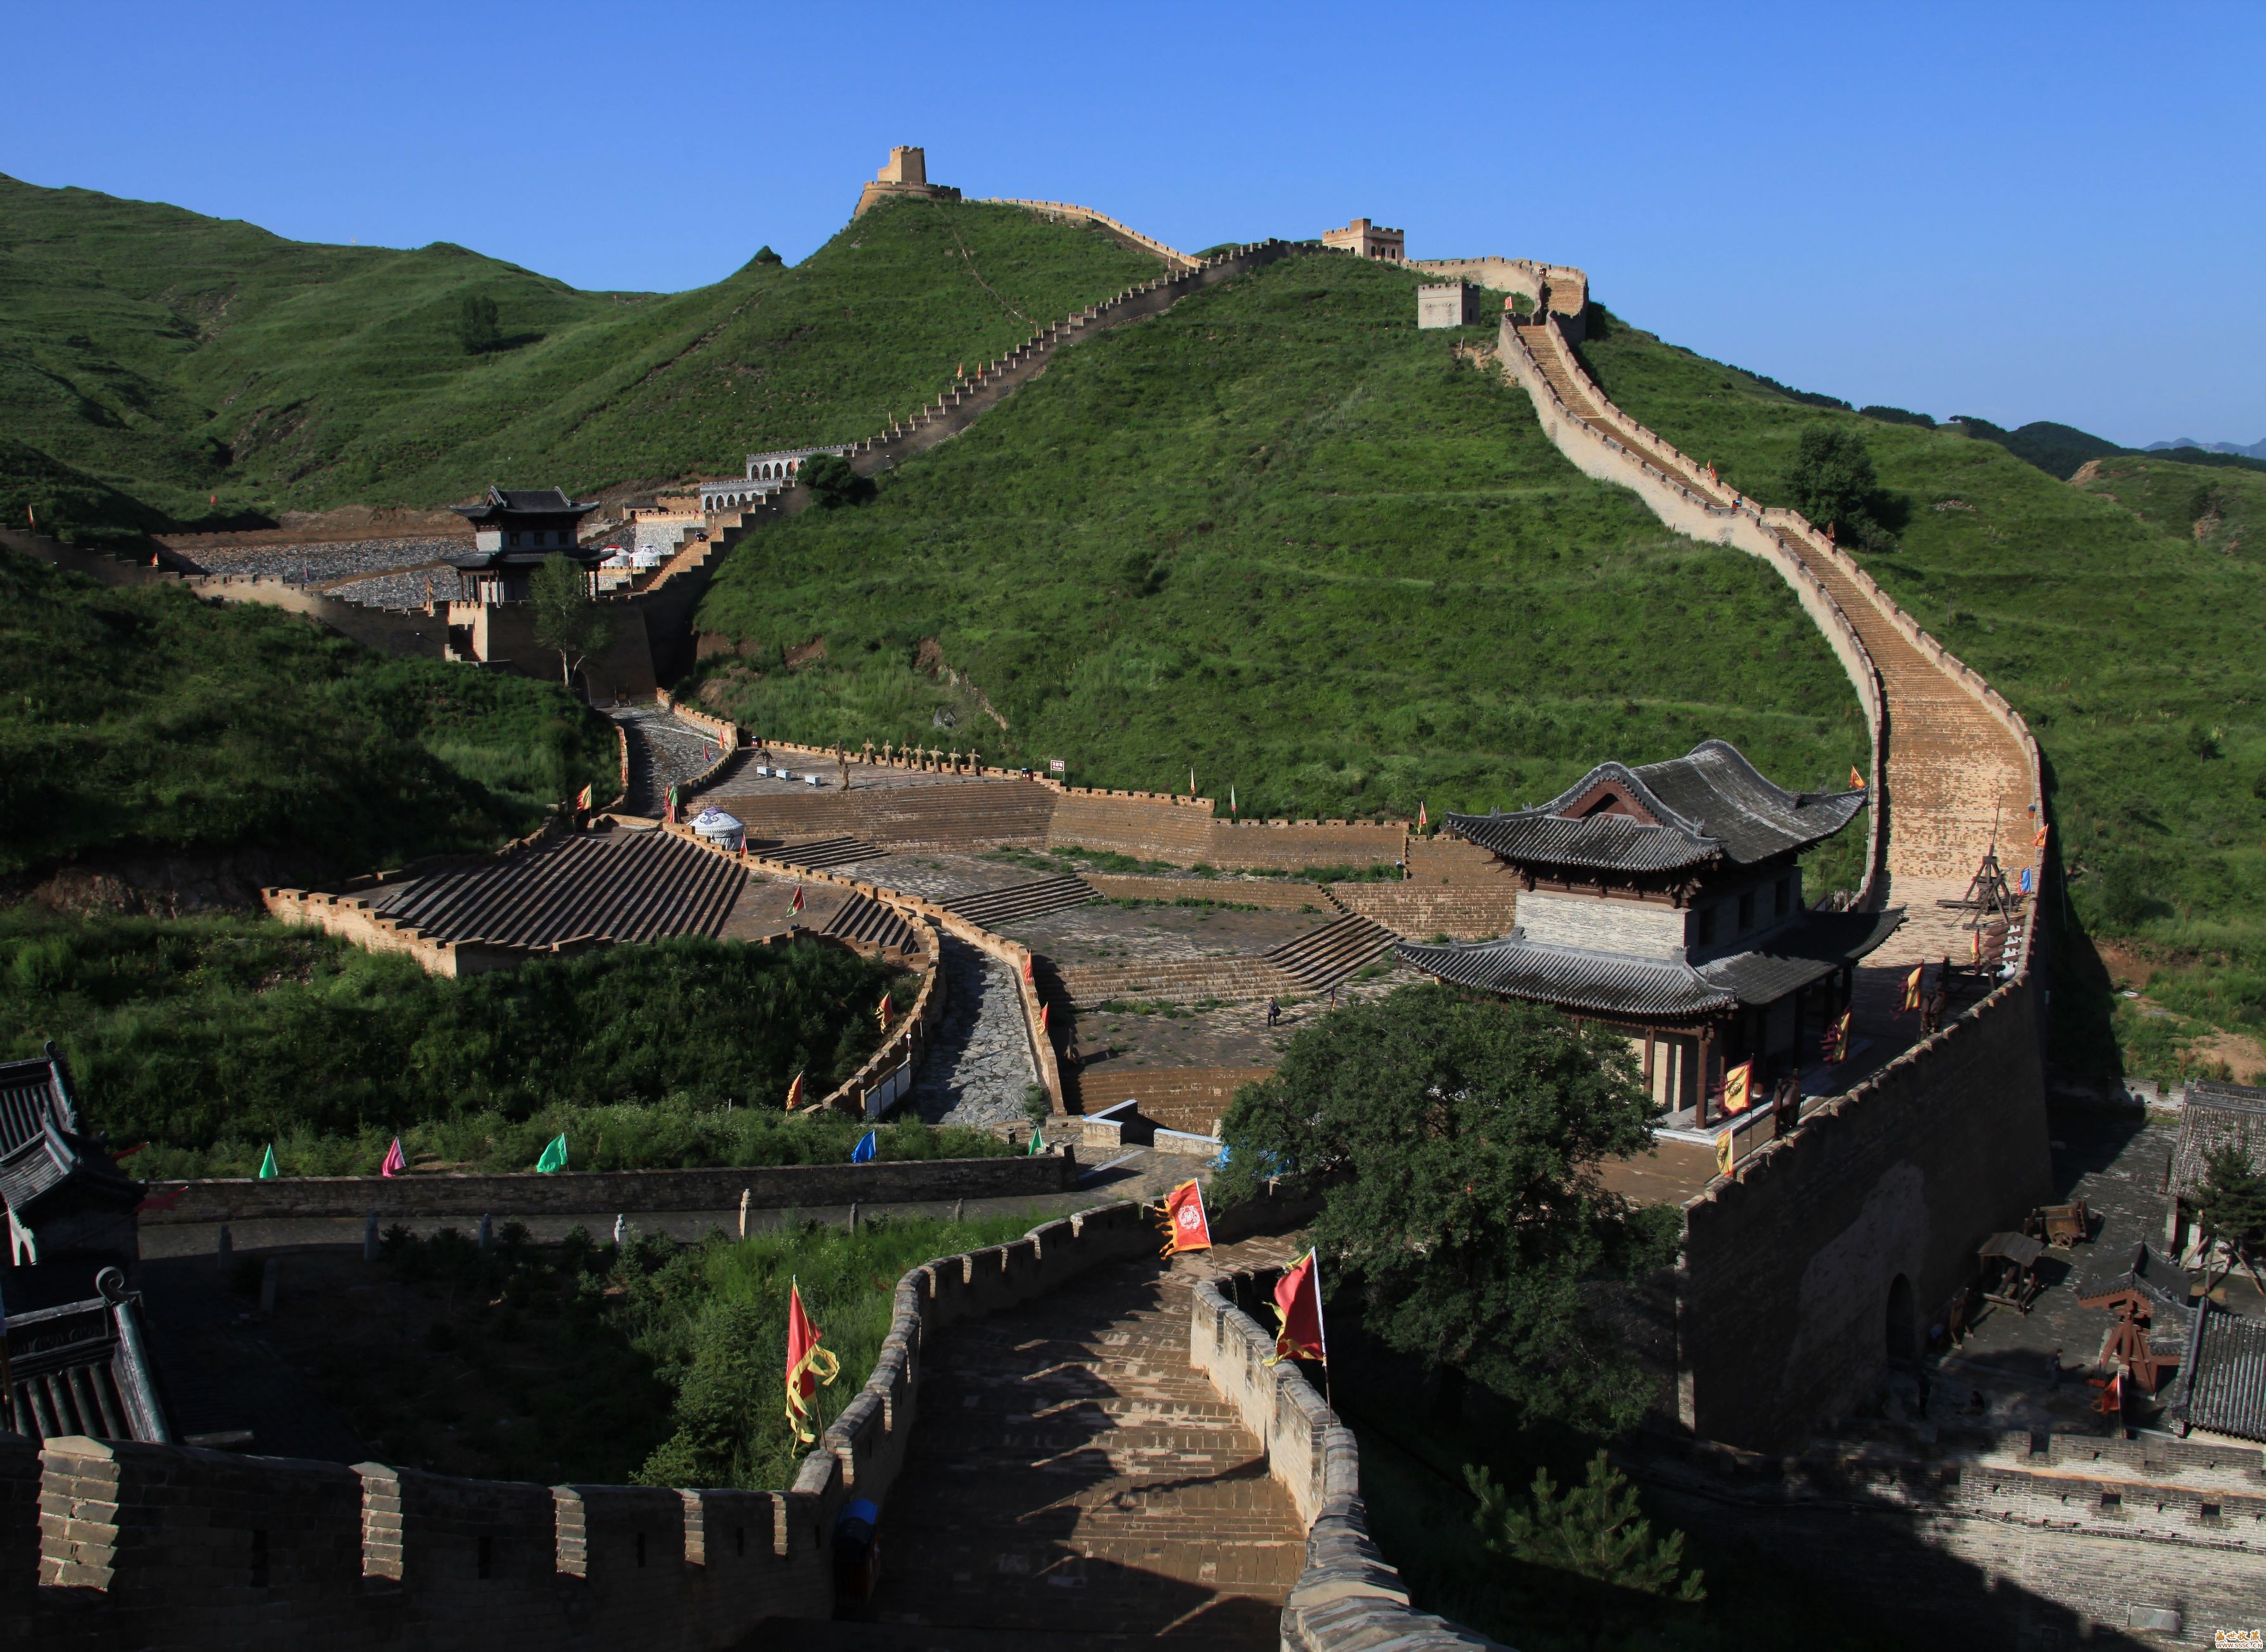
x=2018 y=211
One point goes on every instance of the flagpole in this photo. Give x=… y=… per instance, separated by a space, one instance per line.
x=1321 y=1323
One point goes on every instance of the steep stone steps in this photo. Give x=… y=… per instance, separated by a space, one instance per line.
x=1327 y=955
x=863 y=918
x=1020 y=901
x=1225 y=980
x=619 y=886
x=1418 y=911
x=818 y=853
x=1072 y=1474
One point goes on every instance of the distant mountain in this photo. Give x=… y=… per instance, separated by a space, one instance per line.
x=2255 y=450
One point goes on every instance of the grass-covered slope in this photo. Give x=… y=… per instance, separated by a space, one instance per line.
x=148 y=722
x=1279 y=534
x=178 y=358
x=2121 y=615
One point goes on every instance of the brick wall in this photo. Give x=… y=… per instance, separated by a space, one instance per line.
x=1994 y=1540
x=140 y=1546
x=1787 y=1265
x=769 y=1187
x=1348 y=1596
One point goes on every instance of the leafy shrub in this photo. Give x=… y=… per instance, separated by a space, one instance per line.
x=1832 y=480
x=475 y=325
x=831 y=482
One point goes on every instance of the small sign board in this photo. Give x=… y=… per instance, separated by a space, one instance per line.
x=1056 y=766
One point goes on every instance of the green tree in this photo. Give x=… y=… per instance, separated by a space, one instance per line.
x=2230 y=1207
x=567 y=617
x=1595 y=1529
x=831 y=483
x=1833 y=480
x=1457 y=1142
x=475 y=325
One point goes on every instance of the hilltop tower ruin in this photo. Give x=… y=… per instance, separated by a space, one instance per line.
x=905 y=174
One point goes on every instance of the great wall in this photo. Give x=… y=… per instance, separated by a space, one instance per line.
x=1212 y=1489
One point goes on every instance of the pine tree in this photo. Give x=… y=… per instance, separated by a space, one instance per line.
x=1596 y=1529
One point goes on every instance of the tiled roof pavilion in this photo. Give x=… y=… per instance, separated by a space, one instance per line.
x=1710 y=807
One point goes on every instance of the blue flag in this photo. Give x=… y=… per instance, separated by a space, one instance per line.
x=863 y=1153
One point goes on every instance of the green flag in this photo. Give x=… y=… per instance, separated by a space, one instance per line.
x=267 y=1171
x=554 y=1157
x=1038 y=1140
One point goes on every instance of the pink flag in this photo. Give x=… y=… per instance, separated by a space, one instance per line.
x=394 y=1162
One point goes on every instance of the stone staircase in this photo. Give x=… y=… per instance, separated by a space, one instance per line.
x=864 y=919
x=1320 y=959
x=616 y=885
x=1072 y=1475
x=1232 y=979
x=818 y=853
x=1019 y=900
x=1418 y=911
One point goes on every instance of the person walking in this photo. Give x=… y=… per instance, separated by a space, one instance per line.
x=1274 y=1012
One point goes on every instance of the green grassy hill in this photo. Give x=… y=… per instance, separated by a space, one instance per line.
x=204 y=369
x=2126 y=636
x=1281 y=535
x=149 y=723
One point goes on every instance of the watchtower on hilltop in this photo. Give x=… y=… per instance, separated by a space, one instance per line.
x=904 y=174
x=1365 y=239
x=512 y=530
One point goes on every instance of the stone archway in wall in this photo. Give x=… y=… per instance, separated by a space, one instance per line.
x=1902 y=1322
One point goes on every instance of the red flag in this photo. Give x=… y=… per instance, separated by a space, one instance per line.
x=1027 y=966
x=2112 y=1394
x=797 y=906
x=1420 y=822
x=1835 y=1045
x=1185 y=1226
x=794 y=1093
x=807 y=1365
x=2038 y=840
x=163 y=1200
x=885 y=1012
x=395 y=1161
x=1739 y=1088
x=1298 y=1307
x=1856 y=780
x=1042 y=1018
x=582 y=798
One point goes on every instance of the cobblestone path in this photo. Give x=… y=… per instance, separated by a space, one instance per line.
x=1070 y=1474
x=662 y=752
x=979 y=1063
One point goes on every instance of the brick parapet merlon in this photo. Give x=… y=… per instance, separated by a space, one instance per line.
x=1349 y=1597
x=208 y=1551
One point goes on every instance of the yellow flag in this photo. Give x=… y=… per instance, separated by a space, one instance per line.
x=1911 y=987
x=1726 y=1152
x=1739 y=1088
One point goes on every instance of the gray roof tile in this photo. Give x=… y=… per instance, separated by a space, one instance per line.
x=1712 y=804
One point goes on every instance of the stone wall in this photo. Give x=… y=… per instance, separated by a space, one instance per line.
x=140 y=1546
x=1349 y=1597
x=1995 y=1541
x=1783 y=1288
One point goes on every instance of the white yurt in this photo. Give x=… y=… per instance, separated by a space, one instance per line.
x=714 y=826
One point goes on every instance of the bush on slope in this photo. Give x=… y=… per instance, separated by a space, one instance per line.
x=1281 y=535
x=146 y=720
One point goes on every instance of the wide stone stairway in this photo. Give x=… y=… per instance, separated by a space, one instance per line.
x=1072 y=1481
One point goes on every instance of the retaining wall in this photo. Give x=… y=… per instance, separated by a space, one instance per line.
x=1994 y=1540
x=1784 y=1285
x=1348 y=1598
x=574 y=1192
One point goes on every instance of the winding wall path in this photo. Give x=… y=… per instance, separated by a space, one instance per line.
x=1955 y=765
